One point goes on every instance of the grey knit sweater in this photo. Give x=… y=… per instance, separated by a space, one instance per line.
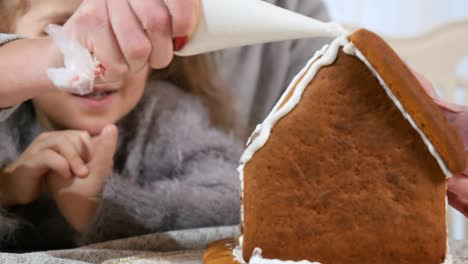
x=173 y=170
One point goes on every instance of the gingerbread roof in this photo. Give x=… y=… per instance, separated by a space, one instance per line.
x=415 y=101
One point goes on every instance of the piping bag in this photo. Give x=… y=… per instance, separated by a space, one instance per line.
x=223 y=24
x=235 y=23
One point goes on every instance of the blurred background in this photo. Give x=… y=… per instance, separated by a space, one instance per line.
x=432 y=35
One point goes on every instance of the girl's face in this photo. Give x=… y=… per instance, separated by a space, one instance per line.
x=107 y=104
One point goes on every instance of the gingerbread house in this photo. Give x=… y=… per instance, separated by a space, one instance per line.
x=349 y=167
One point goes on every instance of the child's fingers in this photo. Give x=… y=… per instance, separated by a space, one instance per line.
x=107 y=143
x=55 y=162
x=82 y=139
x=70 y=152
x=72 y=145
x=133 y=42
x=105 y=150
x=84 y=144
x=155 y=19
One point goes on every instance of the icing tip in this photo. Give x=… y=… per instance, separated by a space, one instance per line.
x=336 y=30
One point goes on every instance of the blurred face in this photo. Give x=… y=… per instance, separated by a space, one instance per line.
x=107 y=104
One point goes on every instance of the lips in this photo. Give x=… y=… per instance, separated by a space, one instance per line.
x=97 y=95
x=100 y=99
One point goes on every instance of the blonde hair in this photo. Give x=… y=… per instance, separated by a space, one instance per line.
x=196 y=75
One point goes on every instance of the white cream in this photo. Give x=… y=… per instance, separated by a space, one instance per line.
x=258 y=259
x=448 y=256
x=326 y=56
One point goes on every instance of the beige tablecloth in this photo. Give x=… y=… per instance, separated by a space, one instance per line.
x=176 y=247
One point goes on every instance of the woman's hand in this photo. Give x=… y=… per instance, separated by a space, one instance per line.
x=64 y=152
x=78 y=198
x=457 y=185
x=457 y=192
x=129 y=35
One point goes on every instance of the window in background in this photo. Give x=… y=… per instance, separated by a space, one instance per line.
x=398 y=18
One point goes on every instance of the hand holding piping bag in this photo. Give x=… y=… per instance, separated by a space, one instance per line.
x=124 y=37
x=155 y=30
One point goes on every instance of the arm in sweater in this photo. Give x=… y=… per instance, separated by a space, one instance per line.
x=24 y=227
x=181 y=174
x=9 y=152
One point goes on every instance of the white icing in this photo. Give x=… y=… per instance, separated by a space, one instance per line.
x=326 y=56
x=257 y=257
x=448 y=256
x=237 y=252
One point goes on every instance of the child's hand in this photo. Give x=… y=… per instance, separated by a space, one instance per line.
x=128 y=35
x=64 y=152
x=78 y=198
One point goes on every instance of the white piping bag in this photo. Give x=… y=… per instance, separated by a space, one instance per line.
x=234 y=23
